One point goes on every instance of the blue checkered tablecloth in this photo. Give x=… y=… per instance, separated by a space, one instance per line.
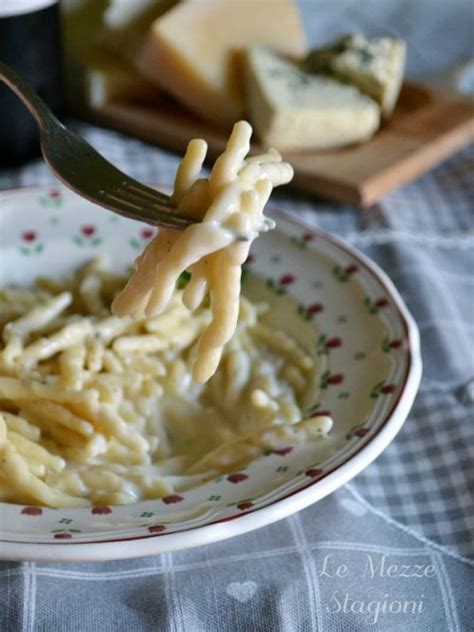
x=392 y=550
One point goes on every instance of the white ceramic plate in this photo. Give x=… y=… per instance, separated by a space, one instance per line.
x=342 y=307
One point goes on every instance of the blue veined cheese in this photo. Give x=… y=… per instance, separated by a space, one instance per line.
x=293 y=109
x=374 y=66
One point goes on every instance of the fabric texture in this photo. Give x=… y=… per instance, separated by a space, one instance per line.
x=394 y=548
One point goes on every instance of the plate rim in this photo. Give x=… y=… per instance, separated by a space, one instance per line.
x=296 y=500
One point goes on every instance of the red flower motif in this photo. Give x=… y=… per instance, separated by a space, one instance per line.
x=321 y=413
x=32 y=511
x=250 y=259
x=147 y=233
x=314 y=472
x=287 y=279
x=245 y=505
x=332 y=343
x=101 y=510
x=62 y=536
x=395 y=344
x=54 y=194
x=174 y=498
x=351 y=269
x=388 y=388
x=88 y=230
x=382 y=302
x=308 y=236
x=238 y=477
x=29 y=235
x=361 y=432
x=157 y=528
x=315 y=308
x=337 y=378
x=283 y=451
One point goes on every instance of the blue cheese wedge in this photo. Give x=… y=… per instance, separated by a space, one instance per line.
x=374 y=66
x=293 y=109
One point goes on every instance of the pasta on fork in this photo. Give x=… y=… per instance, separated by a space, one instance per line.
x=230 y=205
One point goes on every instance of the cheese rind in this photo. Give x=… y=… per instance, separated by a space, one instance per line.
x=195 y=50
x=374 y=66
x=292 y=109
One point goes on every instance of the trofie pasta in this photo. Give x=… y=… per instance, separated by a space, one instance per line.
x=100 y=409
x=230 y=204
x=170 y=390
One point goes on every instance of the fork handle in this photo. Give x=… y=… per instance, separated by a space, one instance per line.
x=35 y=104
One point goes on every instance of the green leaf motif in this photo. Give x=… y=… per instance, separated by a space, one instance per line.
x=340 y=274
x=375 y=392
x=299 y=243
x=303 y=312
x=313 y=409
x=373 y=309
x=275 y=287
x=324 y=380
x=97 y=241
x=386 y=345
x=321 y=345
x=78 y=241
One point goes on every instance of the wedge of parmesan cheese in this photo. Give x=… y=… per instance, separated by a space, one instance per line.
x=195 y=50
x=374 y=66
x=293 y=109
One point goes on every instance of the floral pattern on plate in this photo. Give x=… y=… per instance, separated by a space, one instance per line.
x=353 y=318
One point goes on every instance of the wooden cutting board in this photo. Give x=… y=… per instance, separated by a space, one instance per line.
x=427 y=126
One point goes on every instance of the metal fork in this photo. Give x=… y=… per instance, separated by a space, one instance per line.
x=86 y=172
